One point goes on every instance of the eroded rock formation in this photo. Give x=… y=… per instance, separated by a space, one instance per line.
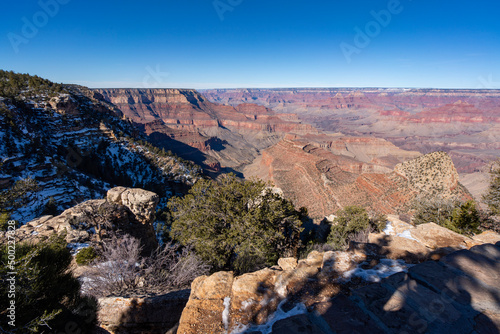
x=335 y=173
x=311 y=295
x=128 y=210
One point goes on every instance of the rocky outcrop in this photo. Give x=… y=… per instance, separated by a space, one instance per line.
x=127 y=210
x=223 y=303
x=431 y=174
x=459 y=294
x=64 y=104
x=155 y=315
x=141 y=202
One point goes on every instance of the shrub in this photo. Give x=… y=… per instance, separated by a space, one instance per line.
x=492 y=197
x=46 y=293
x=466 y=219
x=434 y=210
x=462 y=218
x=86 y=256
x=236 y=225
x=349 y=223
x=123 y=271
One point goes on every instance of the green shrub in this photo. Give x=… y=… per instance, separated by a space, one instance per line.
x=236 y=225
x=462 y=218
x=466 y=219
x=86 y=256
x=492 y=197
x=349 y=222
x=47 y=296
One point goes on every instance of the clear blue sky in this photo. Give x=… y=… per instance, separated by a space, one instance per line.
x=254 y=43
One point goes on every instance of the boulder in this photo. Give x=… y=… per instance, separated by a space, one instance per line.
x=254 y=297
x=336 y=263
x=210 y=297
x=141 y=202
x=135 y=315
x=396 y=247
x=487 y=237
x=434 y=237
x=397 y=226
x=287 y=263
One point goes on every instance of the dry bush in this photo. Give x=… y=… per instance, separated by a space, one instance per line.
x=122 y=271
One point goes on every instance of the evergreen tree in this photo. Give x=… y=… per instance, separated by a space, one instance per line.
x=492 y=197
x=47 y=296
x=236 y=225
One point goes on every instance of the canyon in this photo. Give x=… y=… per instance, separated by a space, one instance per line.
x=326 y=148
x=463 y=123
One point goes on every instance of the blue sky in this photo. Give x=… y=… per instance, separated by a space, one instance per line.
x=254 y=43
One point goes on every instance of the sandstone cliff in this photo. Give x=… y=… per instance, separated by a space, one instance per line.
x=185 y=122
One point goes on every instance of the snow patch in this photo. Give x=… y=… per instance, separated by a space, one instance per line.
x=246 y=304
x=385 y=268
x=76 y=247
x=280 y=314
x=406 y=234
x=389 y=229
x=225 y=313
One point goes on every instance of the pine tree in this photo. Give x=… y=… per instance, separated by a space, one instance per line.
x=236 y=225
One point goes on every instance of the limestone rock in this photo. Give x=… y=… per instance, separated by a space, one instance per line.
x=287 y=263
x=254 y=297
x=141 y=202
x=434 y=236
x=397 y=225
x=206 y=304
x=336 y=263
x=396 y=247
x=487 y=237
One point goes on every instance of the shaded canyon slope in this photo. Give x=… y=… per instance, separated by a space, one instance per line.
x=214 y=135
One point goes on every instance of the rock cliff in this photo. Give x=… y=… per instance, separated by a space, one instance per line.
x=130 y=211
x=320 y=295
x=355 y=171
x=191 y=126
x=459 y=122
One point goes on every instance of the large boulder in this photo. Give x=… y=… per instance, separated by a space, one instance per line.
x=435 y=237
x=397 y=247
x=130 y=211
x=137 y=315
x=210 y=297
x=141 y=202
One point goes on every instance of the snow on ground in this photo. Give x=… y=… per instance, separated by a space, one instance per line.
x=280 y=314
x=76 y=247
x=385 y=268
x=389 y=229
x=406 y=234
